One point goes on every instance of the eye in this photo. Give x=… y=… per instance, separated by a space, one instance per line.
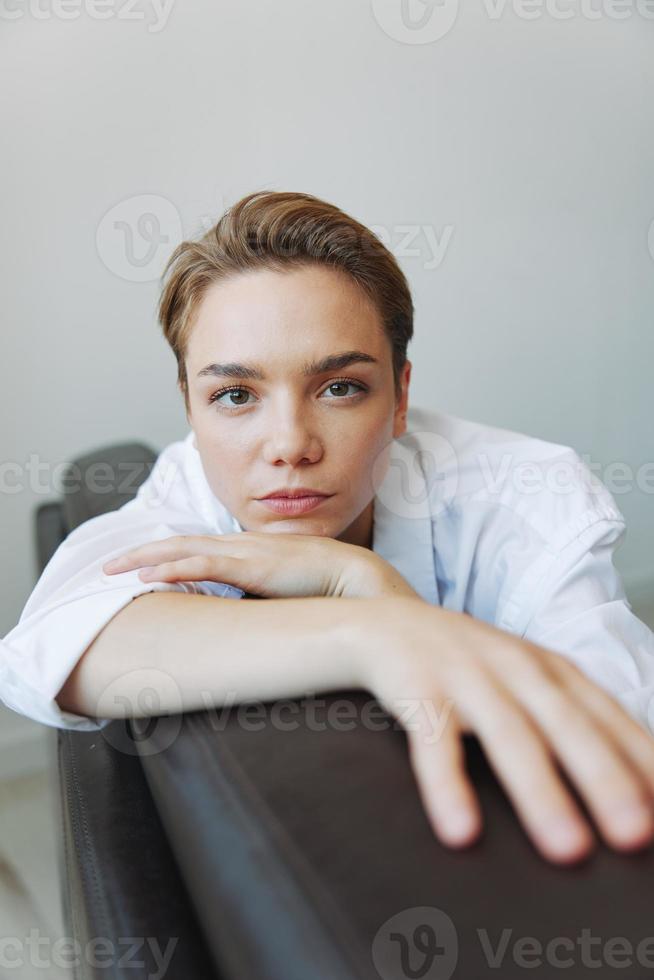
x=228 y=391
x=344 y=383
x=239 y=391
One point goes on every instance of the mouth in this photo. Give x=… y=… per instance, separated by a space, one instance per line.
x=282 y=504
x=291 y=493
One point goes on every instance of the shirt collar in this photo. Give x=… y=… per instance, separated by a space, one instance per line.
x=402 y=520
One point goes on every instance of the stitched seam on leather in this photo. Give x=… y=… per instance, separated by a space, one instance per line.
x=68 y=864
x=80 y=825
x=281 y=847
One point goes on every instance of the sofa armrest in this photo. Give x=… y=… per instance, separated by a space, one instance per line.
x=308 y=856
x=104 y=480
x=119 y=469
x=50 y=528
x=123 y=899
x=119 y=877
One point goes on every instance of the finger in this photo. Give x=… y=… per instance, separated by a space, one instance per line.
x=155 y=552
x=446 y=791
x=630 y=736
x=199 y=568
x=518 y=755
x=613 y=789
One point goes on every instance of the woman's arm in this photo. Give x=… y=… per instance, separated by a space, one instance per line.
x=452 y=673
x=199 y=651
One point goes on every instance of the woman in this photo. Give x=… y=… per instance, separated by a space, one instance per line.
x=415 y=563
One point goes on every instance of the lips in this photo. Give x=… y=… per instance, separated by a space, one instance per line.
x=294 y=505
x=292 y=494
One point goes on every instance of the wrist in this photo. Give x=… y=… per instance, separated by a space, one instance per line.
x=378 y=579
x=377 y=639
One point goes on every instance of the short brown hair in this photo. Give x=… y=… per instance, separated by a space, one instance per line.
x=281 y=230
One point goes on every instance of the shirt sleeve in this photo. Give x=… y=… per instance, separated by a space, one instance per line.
x=573 y=602
x=73 y=600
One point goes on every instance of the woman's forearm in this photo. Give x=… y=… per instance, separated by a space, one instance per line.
x=193 y=652
x=168 y=652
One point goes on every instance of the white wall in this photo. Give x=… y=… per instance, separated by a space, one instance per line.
x=531 y=140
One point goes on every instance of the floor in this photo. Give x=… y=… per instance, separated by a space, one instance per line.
x=30 y=906
x=29 y=874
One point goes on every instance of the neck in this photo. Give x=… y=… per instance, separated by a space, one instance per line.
x=360 y=531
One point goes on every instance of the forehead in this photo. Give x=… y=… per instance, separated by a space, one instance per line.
x=308 y=310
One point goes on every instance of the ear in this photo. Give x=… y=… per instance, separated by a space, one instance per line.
x=399 y=419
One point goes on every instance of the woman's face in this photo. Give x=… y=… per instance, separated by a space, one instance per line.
x=329 y=430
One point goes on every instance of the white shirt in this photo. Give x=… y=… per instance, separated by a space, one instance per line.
x=508 y=528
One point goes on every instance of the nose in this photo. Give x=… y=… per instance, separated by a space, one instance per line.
x=292 y=437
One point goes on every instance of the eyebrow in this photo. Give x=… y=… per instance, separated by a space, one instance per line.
x=253 y=372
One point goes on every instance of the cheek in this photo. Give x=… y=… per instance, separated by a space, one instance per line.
x=223 y=462
x=375 y=458
x=368 y=445
x=217 y=445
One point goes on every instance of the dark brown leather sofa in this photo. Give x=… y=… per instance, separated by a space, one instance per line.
x=246 y=845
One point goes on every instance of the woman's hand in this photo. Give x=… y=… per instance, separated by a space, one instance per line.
x=266 y=564
x=530 y=708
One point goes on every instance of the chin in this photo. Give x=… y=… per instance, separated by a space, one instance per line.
x=298 y=525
